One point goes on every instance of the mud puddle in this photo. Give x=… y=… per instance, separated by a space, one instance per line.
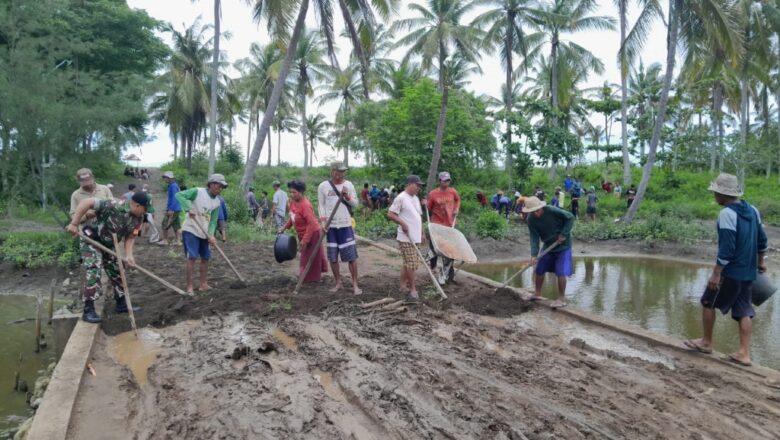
x=137 y=354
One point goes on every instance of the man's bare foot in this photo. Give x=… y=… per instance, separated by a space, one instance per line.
x=740 y=359
x=357 y=290
x=190 y=290
x=404 y=288
x=335 y=288
x=204 y=287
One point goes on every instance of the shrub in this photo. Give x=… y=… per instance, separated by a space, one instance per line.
x=491 y=224
x=39 y=249
x=376 y=226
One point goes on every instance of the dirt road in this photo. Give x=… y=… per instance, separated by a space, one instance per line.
x=257 y=363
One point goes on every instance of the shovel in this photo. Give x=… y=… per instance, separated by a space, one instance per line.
x=219 y=249
x=544 y=252
x=428 y=268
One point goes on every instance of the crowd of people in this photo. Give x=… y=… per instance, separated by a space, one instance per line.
x=138 y=173
x=98 y=215
x=512 y=202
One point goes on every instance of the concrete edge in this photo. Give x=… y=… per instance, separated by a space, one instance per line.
x=53 y=417
x=654 y=339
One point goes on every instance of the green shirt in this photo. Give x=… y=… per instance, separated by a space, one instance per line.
x=553 y=223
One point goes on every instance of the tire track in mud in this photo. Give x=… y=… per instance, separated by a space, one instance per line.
x=433 y=374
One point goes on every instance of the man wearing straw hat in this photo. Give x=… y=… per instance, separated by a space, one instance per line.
x=551 y=226
x=741 y=247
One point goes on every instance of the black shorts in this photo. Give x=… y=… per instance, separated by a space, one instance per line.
x=590 y=210
x=733 y=295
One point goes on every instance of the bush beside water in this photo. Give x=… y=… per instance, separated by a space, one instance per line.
x=39 y=249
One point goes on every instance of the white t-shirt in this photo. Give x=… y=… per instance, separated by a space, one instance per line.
x=408 y=209
x=280 y=199
x=327 y=199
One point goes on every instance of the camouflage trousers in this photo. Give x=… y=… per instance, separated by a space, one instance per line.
x=94 y=262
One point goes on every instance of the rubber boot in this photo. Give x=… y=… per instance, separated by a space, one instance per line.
x=89 y=313
x=121 y=306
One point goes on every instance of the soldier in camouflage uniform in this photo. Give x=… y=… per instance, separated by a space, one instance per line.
x=110 y=217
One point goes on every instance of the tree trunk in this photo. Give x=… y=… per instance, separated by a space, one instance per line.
x=269 y=148
x=357 y=46
x=554 y=74
x=279 y=147
x=674 y=13
x=276 y=95
x=624 y=95
x=440 y=125
x=346 y=155
x=175 y=146
x=249 y=133
x=777 y=99
x=214 y=75
x=717 y=104
x=508 y=99
x=303 y=133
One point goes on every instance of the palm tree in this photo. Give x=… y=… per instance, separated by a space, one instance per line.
x=401 y=77
x=363 y=10
x=376 y=44
x=278 y=15
x=696 y=18
x=437 y=34
x=317 y=130
x=343 y=86
x=214 y=76
x=569 y=17
x=630 y=45
x=505 y=21
x=644 y=86
x=184 y=102
x=284 y=121
x=307 y=70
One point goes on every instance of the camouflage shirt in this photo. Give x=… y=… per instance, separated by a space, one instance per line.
x=113 y=217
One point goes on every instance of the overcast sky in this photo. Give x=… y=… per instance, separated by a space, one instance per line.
x=237 y=19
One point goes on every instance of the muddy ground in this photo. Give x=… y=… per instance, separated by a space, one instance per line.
x=256 y=362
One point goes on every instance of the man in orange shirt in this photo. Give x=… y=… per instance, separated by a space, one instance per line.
x=443 y=205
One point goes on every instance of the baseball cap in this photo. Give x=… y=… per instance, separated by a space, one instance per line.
x=444 y=175
x=141 y=198
x=218 y=178
x=338 y=166
x=84 y=174
x=276 y=183
x=168 y=174
x=414 y=179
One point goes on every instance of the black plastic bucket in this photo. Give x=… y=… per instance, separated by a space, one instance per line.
x=285 y=248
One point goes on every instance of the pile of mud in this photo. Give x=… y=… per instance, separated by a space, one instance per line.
x=269 y=286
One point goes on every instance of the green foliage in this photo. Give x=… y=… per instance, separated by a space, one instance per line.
x=78 y=102
x=39 y=249
x=376 y=226
x=248 y=233
x=491 y=224
x=405 y=130
x=657 y=228
x=237 y=207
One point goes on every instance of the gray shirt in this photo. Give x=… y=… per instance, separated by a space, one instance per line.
x=280 y=200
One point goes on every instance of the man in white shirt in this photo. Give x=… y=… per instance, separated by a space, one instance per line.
x=407 y=213
x=341 y=238
x=279 y=207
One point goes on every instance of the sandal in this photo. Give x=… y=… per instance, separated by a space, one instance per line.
x=696 y=347
x=736 y=360
x=414 y=299
x=558 y=304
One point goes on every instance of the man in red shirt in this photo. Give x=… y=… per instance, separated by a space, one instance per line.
x=443 y=205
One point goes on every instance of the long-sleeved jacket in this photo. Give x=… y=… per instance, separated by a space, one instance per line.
x=741 y=238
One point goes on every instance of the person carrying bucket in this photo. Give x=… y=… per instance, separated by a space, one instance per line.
x=742 y=244
x=308 y=229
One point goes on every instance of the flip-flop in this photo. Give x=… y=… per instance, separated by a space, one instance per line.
x=696 y=347
x=558 y=304
x=412 y=299
x=536 y=298
x=734 y=359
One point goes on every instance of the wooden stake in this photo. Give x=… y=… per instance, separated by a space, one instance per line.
x=121 y=265
x=52 y=291
x=38 y=305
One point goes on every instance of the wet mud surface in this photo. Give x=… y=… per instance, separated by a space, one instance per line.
x=257 y=362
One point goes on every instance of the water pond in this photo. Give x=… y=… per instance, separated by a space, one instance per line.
x=655 y=294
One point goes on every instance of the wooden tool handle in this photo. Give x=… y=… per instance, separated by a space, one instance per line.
x=323 y=234
x=122 y=275
x=544 y=252
x=139 y=268
x=219 y=249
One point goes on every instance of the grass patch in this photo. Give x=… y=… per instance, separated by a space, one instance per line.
x=39 y=249
x=656 y=229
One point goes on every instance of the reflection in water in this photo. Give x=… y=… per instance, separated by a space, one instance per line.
x=658 y=295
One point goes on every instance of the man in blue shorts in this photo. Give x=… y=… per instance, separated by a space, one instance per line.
x=341 y=238
x=742 y=243
x=550 y=225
